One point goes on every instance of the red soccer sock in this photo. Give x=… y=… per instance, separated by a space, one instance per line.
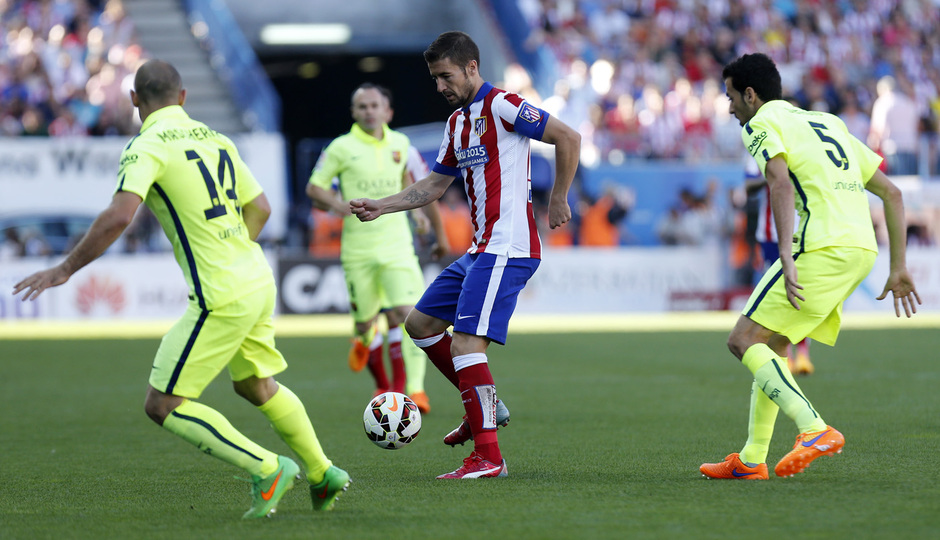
x=398 y=363
x=438 y=350
x=479 y=400
x=377 y=364
x=803 y=347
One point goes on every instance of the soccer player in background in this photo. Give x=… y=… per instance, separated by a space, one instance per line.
x=486 y=144
x=765 y=233
x=212 y=209
x=813 y=164
x=379 y=260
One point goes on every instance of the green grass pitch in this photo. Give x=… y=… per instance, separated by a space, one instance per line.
x=607 y=434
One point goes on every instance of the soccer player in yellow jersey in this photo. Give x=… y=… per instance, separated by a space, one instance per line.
x=379 y=260
x=813 y=164
x=212 y=210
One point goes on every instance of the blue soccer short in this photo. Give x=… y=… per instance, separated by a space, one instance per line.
x=478 y=292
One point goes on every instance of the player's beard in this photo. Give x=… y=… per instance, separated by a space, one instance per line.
x=462 y=96
x=466 y=96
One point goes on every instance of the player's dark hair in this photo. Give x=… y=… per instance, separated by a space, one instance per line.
x=456 y=46
x=757 y=71
x=157 y=82
x=372 y=86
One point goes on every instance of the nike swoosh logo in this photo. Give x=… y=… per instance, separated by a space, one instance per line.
x=462 y=317
x=325 y=490
x=734 y=472
x=812 y=442
x=266 y=495
x=394 y=406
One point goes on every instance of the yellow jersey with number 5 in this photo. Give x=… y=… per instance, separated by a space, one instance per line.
x=828 y=168
x=194 y=181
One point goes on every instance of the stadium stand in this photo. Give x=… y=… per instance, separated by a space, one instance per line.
x=64 y=68
x=638 y=76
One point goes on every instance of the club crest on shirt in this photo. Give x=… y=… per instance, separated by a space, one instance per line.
x=396 y=155
x=479 y=126
x=529 y=113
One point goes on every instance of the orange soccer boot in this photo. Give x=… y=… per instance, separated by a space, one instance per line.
x=421 y=400
x=358 y=355
x=732 y=468
x=808 y=447
x=802 y=365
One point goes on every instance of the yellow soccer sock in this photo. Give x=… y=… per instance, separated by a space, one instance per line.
x=760 y=426
x=212 y=433
x=416 y=364
x=289 y=419
x=773 y=377
x=367 y=337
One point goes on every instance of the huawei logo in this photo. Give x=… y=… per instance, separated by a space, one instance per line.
x=100 y=290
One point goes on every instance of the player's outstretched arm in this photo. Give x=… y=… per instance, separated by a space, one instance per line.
x=567 y=144
x=900 y=282
x=255 y=214
x=106 y=228
x=418 y=194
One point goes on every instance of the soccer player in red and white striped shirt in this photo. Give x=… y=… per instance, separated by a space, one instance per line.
x=486 y=144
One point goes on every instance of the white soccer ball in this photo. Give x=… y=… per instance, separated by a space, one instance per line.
x=391 y=420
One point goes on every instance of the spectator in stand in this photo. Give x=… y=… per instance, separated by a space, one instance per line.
x=600 y=223
x=33 y=123
x=624 y=126
x=894 y=126
x=326 y=233
x=455 y=215
x=697 y=131
x=822 y=49
x=661 y=129
x=51 y=55
x=669 y=228
x=35 y=244
x=11 y=247
x=856 y=121
x=65 y=125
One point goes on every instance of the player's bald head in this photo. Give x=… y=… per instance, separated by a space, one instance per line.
x=158 y=82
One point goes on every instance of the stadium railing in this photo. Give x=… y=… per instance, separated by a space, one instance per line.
x=237 y=65
x=538 y=61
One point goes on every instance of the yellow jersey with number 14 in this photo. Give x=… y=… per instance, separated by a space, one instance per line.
x=828 y=167
x=194 y=181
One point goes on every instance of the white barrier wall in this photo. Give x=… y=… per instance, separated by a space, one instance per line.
x=924 y=266
x=589 y=280
x=142 y=286
x=77 y=176
x=575 y=281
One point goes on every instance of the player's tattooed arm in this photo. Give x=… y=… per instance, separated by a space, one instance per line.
x=423 y=192
x=418 y=196
x=420 y=193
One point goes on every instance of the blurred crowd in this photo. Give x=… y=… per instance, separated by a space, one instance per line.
x=66 y=67
x=642 y=78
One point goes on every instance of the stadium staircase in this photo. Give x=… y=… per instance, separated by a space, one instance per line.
x=163 y=31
